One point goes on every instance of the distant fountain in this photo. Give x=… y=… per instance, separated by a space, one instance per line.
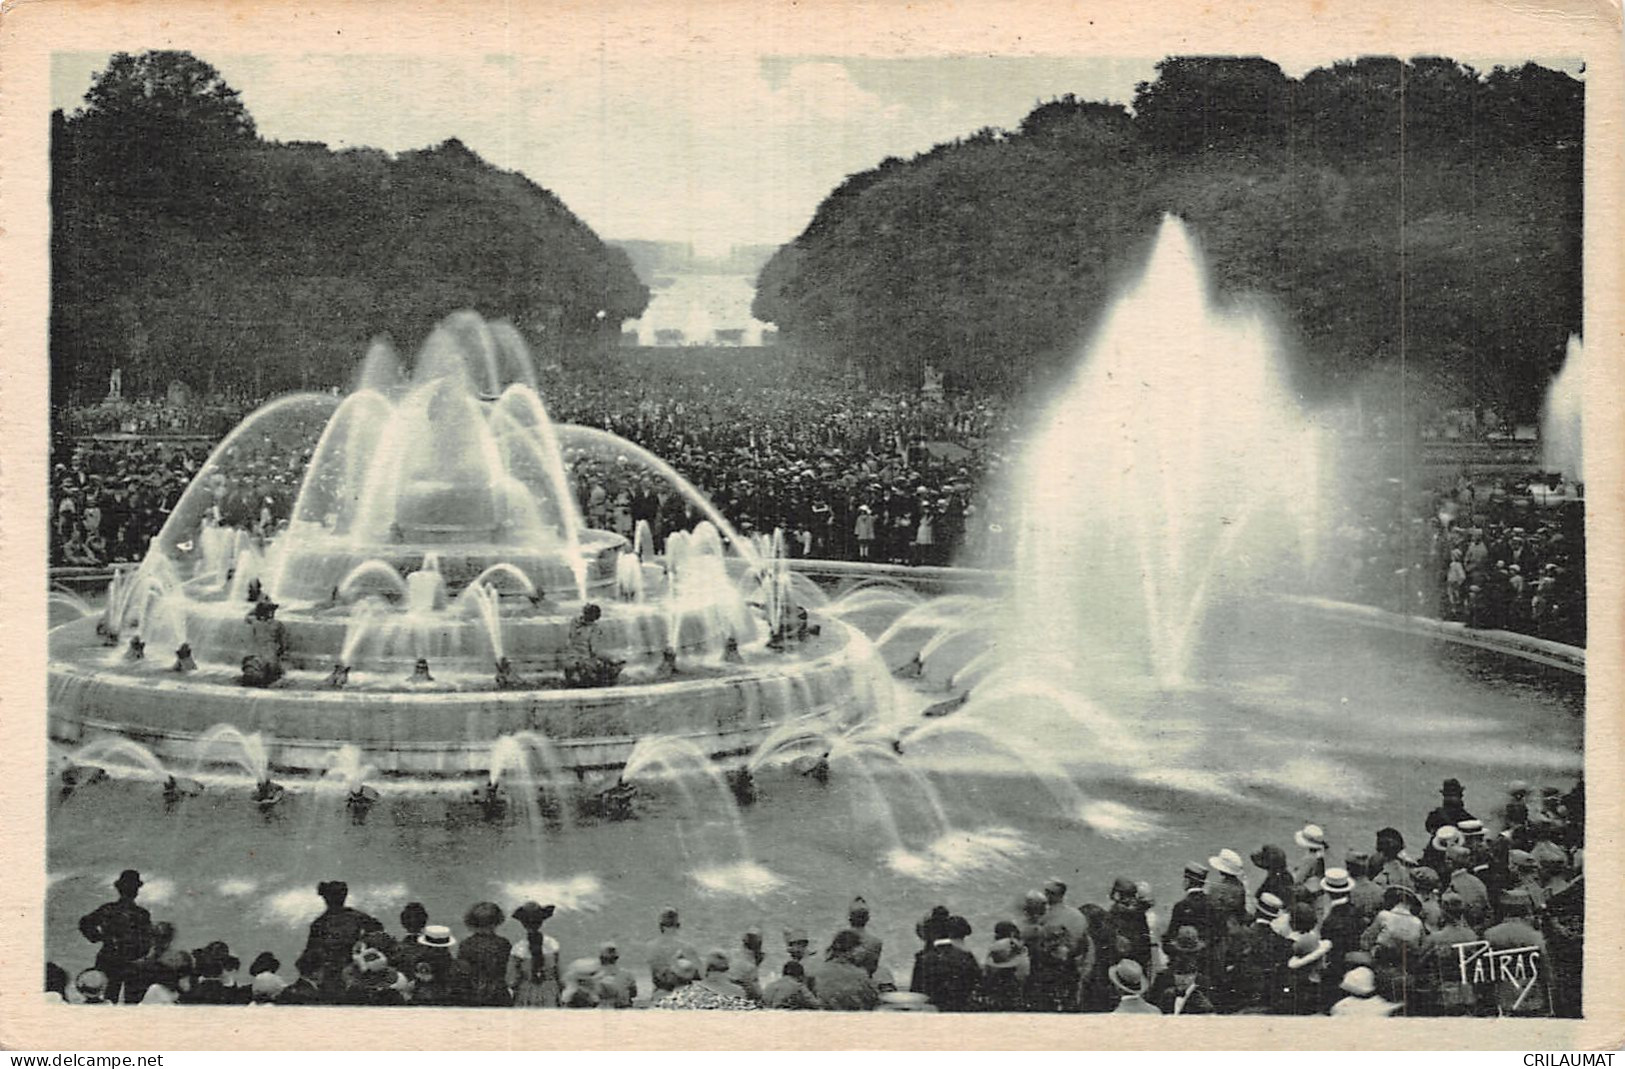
x=1560 y=421
x=1140 y=491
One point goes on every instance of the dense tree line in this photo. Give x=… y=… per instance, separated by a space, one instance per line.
x=185 y=247
x=1326 y=197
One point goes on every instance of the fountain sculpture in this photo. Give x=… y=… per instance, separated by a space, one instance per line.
x=430 y=588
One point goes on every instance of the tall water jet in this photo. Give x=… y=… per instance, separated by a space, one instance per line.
x=1560 y=419
x=1149 y=470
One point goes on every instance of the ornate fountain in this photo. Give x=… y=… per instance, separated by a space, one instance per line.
x=428 y=593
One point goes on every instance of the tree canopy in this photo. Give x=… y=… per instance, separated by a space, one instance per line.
x=185 y=247
x=1327 y=197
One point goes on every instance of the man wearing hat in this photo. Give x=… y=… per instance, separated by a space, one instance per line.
x=124 y=931
x=1193 y=909
x=945 y=972
x=666 y=948
x=1182 y=989
x=1464 y=882
x=1516 y=995
x=1226 y=892
x=1452 y=808
x=1257 y=954
x=1129 y=979
x=1342 y=926
x=1439 y=987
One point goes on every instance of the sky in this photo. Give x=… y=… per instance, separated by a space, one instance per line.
x=714 y=150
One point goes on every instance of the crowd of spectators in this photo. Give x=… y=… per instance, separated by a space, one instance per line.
x=1486 y=918
x=853 y=473
x=1492 y=553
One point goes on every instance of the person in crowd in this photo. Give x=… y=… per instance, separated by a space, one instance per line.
x=1258 y=954
x=369 y=979
x=870 y=945
x=335 y=932
x=789 y=991
x=1522 y=989
x=1192 y=909
x=1306 y=875
x=1427 y=896
x=1440 y=988
x=1302 y=992
x=745 y=965
x=1003 y=987
x=711 y=990
x=124 y=931
x=56 y=983
x=1392 y=866
x=580 y=990
x=1361 y=998
x=171 y=980
x=1129 y=979
x=797 y=944
x=1226 y=893
x=1451 y=810
x=265 y=989
x=413 y=919
x=1182 y=989
x=1342 y=925
x=1364 y=896
x=145 y=968
x=1130 y=931
x=1277 y=878
x=91 y=987
x=947 y=973
x=667 y=948
x=485 y=955
x=617 y=987
x=839 y=981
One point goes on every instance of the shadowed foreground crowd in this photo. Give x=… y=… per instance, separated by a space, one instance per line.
x=1478 y=922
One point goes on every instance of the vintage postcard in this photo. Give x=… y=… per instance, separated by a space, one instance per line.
x=1008 y=519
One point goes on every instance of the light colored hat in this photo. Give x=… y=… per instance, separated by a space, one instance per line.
x=437 y=935
x=1227 y=862
x=1360 y=982
x=1307 y=950
x=1336 y=882
x=268 y=985
x=1311 y=837
x=1471 y=828
x=1128 y=977
x=1446 y=837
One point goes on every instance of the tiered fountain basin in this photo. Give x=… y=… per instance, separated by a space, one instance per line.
x=447 y=728
x=320 y=564
x=535 y=633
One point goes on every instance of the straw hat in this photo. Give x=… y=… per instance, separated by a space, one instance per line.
x=1227 y=862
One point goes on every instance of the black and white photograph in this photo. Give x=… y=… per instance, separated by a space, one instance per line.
x=756 y=526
